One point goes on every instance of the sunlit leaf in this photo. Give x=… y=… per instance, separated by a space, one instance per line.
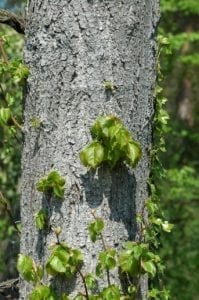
x=149 y=267
x=92 y=155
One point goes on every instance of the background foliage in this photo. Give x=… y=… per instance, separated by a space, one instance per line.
x=179 y=189
x=10 y=148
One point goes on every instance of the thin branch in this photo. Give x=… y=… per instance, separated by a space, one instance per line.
x=5 y=204
x=84 y=283
x=105 y=249
x=14 y=21
x=16 y=123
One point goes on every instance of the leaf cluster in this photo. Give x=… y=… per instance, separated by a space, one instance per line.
x=64 y=261
x=137 y=258
x=112 y=143
x=15 y=68
x=134 y=259
x=52 y=183
x=28 y=269
x=106 y=261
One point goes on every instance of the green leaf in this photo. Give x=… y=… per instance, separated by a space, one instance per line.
x=90 y=281
x=156 y=221
x=26 y=267
x=99 y=270
x=107 y=259
x=76 y=257
x=18 y=70
x=163 y=40
x=139 y=218
x=149 y=267
x=95 y=228
x=100 y=129
x=129 y=264
x=57 y=261
x=114 y=130
x=58 y=191
x=42 y=292
x=5 y=114
x=64 y=261
x=95 y=297
x=35 y=123
x=151 y=206
x=167 y=226
x=153 y=293
x=92 y=155
x=133 y=153
x=57 y=264
x=55 y=178
x=43 y=186
x=65 y=297
x=111 y=292
x=52 y=183
x=129 y=259
x=132 y=290
x=123 y=137
x=113 y=154
x=80 y=297
x=139 y=250
x=41 y=219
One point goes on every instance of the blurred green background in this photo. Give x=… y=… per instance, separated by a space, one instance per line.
x=179 y=189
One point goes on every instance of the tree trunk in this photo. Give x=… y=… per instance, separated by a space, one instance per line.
x=71 y=48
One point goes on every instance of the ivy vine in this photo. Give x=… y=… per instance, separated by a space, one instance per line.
x=112 y=144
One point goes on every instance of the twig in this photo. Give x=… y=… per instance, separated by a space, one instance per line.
x=16 y=123
x=4 y=202
x=84 y=283
x=9 y=283
x=12 y=20
x=105 y=249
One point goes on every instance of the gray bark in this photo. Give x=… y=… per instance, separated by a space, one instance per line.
x=71 y=47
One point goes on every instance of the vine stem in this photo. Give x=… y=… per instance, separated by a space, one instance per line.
x=84 y=283
x=4 y=201
x=105 y=249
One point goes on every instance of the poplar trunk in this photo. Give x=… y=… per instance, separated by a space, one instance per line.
x=71 y=48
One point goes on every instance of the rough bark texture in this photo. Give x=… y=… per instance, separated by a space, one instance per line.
x=71 y=47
